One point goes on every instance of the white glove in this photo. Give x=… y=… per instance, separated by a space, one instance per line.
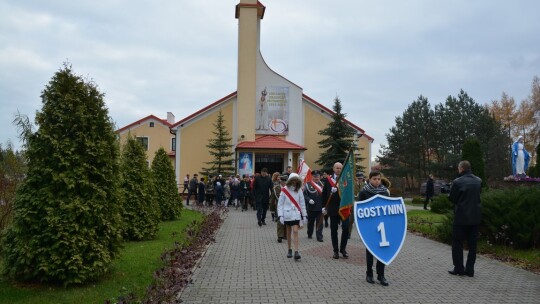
x=305 y=220
x=324 y=211
x=311 y=202
x=282 y=220
x=301 y=223
x=334 y=189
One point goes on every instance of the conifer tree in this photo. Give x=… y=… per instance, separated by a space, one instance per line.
x=338 y=139
x=165 y=187
x=220 y=148
x=140 y=211
x=473 y=153
x=66 y=223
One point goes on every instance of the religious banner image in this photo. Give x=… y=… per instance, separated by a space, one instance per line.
x=272 y=115
x=245 y=163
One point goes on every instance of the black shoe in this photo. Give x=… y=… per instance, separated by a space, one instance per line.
x=264 y=223
x=309 y=237
x=469 y=274
x=297 y=255
x=383 y=281
x=453 y=272
x=260 y=223
x=289 y=253
x=336 y=255
x=344 y=253
x=369 y=279
x=279 y=239
x=320 y=240
x=326 y=225
x=425 y=208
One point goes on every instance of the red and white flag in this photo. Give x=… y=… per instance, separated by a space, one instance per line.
x=304 y=172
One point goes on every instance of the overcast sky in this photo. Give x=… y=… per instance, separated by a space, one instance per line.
x=151 y=57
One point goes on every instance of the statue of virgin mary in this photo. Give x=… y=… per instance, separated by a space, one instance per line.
x=520 y=157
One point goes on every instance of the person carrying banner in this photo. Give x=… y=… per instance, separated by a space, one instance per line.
x=372 y=188
x=331 y=198
x=313 y=196
x=292 y=211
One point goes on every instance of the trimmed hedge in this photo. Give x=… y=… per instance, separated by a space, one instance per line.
x=441 y=205
x=509 y=217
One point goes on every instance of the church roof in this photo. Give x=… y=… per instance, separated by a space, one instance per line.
x=142 y=120
x=270 y=142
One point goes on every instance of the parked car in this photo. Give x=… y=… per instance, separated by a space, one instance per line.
x=439 y=186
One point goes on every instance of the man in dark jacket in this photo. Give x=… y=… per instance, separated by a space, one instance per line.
x=430 y=191
x=192 y=188
x=332 y=199
x=262 y=187
x=465 y=195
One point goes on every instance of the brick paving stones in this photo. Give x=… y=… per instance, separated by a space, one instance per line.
x=246 y=264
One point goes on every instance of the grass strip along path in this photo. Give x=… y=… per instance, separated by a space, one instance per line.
x=132 y=273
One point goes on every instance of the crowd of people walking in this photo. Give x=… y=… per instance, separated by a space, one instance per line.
x=293 y=205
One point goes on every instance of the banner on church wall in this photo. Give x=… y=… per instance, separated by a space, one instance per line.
x=272 y=111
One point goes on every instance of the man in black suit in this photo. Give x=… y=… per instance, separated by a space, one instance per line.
x=332 y=199
x=465 y=195
x=262 y=187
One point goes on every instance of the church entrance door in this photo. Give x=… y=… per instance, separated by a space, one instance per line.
x=272 y=162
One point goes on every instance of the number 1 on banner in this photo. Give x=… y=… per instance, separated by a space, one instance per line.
x=384 y=242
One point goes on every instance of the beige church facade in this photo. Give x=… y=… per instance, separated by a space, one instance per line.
x=272 y=123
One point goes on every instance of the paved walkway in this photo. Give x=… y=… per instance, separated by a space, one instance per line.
x=247 y=265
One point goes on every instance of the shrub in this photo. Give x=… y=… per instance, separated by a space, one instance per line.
x=417 y=200
x=12 y=171
x=441 y=204
x=140 y=210
x=444 y=231
x=510 y=217
x=165 y=188
x=473 y=153
x=66 y=222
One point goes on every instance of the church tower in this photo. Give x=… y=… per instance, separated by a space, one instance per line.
x=249 y=14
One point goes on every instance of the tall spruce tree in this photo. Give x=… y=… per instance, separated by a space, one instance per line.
x=473 y=153
x=220 y=148
x=165 y=187
x=66 y=223
x=338 y=139
x=140 y=211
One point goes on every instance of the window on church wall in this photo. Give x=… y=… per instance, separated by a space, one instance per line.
x=144 y=141
x=173 y=144
x=151 y=124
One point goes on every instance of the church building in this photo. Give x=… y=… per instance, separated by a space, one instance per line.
x=272 y=123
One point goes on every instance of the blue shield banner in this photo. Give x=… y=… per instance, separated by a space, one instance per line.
x=381 y=222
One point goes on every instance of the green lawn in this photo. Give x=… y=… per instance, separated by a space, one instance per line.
x=132 y=272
